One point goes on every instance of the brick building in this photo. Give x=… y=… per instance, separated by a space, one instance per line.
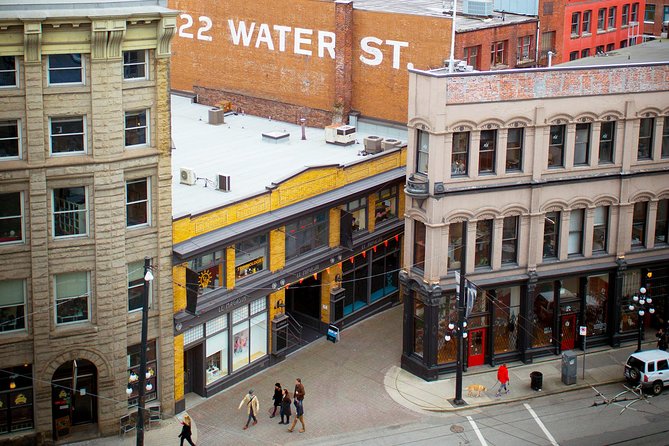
x=85 y=196
x=552 y=200
x=656 y=18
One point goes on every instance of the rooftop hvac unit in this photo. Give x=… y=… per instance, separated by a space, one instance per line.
x=373 y=144
x=477 y=7
x=223 y=182
x=342 y=135
x=187 y=176
x=216 y=116
x=390 y=143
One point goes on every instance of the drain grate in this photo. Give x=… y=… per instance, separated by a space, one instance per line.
x=457 y=429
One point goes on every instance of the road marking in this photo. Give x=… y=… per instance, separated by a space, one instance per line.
x=478 y=432
x=541 y=425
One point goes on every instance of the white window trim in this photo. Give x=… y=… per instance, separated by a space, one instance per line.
x=150 y=297
x=146 y=68
x=23 y=222
x=53 y=214
x=48 y=71
x=148 y=128
x=85 y=135
x=17 y=75
x=88 y=301
x=19 y=138
x=25 y=311
x=148 y=202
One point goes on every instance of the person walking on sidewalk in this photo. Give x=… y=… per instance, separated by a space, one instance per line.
x=285 y=407
x=186 y=431
x=298 y=400
x=662 y=339
x=252 y=408
x=503 y=378
x=278 y=396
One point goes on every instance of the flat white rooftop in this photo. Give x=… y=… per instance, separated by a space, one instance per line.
x=236 y=148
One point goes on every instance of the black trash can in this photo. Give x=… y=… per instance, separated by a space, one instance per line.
x=537 y=380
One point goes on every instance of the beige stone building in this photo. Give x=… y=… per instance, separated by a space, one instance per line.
x=562 y=178
x=85 y=196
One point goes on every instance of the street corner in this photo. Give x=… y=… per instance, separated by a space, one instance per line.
x=415 y=394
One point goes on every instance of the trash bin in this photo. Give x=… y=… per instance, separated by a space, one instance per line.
x=536 y=380
x=569 y=367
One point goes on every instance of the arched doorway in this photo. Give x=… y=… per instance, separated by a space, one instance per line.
x=73 y=396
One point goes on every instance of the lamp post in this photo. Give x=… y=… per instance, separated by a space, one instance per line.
x=641 y=303
x=148 y=277
x=459 y=329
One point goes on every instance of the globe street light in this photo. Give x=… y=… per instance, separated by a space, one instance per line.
x=641 y=303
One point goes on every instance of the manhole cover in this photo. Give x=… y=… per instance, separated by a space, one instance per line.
x=457 y=429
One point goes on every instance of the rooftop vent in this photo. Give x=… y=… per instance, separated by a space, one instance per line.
x=216 y=116
x=477 y=7
x=275 y=137
x=373 y=144
x=223 y=182
x=342 y=135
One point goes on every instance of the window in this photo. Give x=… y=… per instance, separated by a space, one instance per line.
x=134 y=354
x=524 y=49
x=70 y=214
x=250 y=256
x=587 y=16
x=625 y=15
x=217 y=349
x=573 y=55
x=649 y=13
x=575 y=245
x=358 y=209
x=575 y=23
x=585 y=53
x=596 y=301
x=386 y=205
x=249 y=333
x=385 y=269
x=135 y=65
x=646 y=127
x=582 y=144
x=639 y=224
x=10 y=140
x=606 y=142
x=16 y=409
x=8 y=72
x=623 y=43
x=419 y=244
x=423 y=151
x=137 y=203
x=600 y=230
x=136 y=286
x=510 y=240
x=610 y=47
x=460 y=154
x=601 y=19
x=68 y=135
x=487 y=151
x=455 y=241
x=514 y=150
x=306 y=234
x=483 y=251
x=665 y=138
x=547 y=43
x=498 y=53
x=556 y=146
x=665 y=14
x=72 y=297
x=542 y=315
x=635 y=13
x=65 y=69
x=12 y=305
x=599 y=50
x=418 y=325
x=662 y=222
x=612 y=17
x=471 y=55
x=11 y=217
x=355 y=274
x=136 y=128
x=207 y=272
x=551 y=235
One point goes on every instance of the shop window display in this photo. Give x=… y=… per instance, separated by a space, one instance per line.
x=386 y=205
x=542 y=315
x=418 y=325
x=596 y=300
x=631 y=284
x=505 y=313
x=355 y=276
x=217 y=349
x=16 y=399
x=250 y=256
x=133 y=364
x=209 y=269
x=385 y=269
x=249 y=333
x=448 y=313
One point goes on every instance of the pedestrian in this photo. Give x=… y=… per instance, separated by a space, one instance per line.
x=298 y=400
x=661 y=339
x=285 y=407
x=186 y=431
x=278 y=396
x=252 y=408
x=503 y=378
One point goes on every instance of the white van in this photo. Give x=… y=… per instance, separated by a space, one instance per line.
x=650 y=368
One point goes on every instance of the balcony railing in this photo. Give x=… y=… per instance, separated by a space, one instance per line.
x=417 y=187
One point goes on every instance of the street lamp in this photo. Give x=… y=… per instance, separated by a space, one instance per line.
x=148 y=277
x=458 y=329
x=640 y=304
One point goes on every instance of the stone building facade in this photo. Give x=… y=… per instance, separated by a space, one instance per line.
x=549 y=189
x=85 y=196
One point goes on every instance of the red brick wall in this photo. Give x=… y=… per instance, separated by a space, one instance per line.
x=551 y=17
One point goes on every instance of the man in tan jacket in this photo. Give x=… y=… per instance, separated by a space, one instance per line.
x=252 y=408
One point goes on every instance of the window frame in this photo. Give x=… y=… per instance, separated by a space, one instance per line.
x=20 y=217
x=422 y=151
x=471 y=56
x=54 y=213
x=510 y=240
x=56 y=298
x=137 y=284
x=583 y=130
x=81 y=68
x=586 y=22
x=259 y=242
x=455 y=246
x=147 y=202
x=664 y=151
x=17 y=138
x=524 y=51
x=601 y=19
x=498 y=53
x=21 y=311
x=318 y=225
x=639 y=220
x=662 y=222
x=419 y=245
x=483 y=245
x=607 y=142
x=611 y=17
x=552 y=134
x=553 y=236
x=515 y=148
x=601 y=228
x=138 y=128
x=385 y=213
x=646 y=139
x=576 y=228
x=203 y=265
x=145 y=64
x=625 y=15
x=84 y=135
x=635 y=13
x=575 y=24
x=16 y=72
x=647 y=11
x=457 y=156
x=487 y=151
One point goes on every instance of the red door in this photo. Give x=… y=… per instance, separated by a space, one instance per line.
x=568 y=331
x=476 y=347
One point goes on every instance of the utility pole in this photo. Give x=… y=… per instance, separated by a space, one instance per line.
x=458 y=401
x=148 y=277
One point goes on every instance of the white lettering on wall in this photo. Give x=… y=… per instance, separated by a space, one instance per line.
x=328 y=44
x=283 y=30
x=205 y=25
x=396 y=44
x=265 y=37
x=241 y=32
x=375 y=52
x=299 y=41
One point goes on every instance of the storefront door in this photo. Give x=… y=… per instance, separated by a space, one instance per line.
x=303 y=302
x=74 y=386
x=568 y=331
x=194 y=370
x=476 y=347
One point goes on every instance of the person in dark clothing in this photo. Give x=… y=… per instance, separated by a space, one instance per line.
x=298 y=397
x=285 y=407
x=278 y=396
x=662 y=339
x=186 y=431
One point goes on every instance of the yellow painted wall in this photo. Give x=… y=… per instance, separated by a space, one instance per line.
x=277 y=249
x=335 y=225
x=179 y=277
x=327 y=283
x=230 y=267
x=178 y=367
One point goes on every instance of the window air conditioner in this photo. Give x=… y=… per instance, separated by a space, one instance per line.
x=187 y=176
x=223 y=182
